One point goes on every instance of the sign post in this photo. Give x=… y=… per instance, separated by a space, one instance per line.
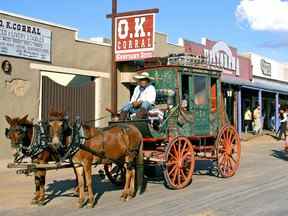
x=133 y=38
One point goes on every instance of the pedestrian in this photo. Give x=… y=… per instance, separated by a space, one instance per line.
x=257 y=119
x=283 y=124
x=247 y=119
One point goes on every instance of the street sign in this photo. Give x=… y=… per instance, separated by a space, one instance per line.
x=134 y=37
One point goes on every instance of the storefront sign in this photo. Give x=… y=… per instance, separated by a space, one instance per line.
x=21 y=40
x=134 y=37
x=265 y=67
x=218 y=54
x=221 y=55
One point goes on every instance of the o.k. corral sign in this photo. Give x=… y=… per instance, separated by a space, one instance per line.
x=134 y=37
x=26 y=41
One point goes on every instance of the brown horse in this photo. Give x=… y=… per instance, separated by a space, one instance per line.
x=20 y=133
x=113 y=144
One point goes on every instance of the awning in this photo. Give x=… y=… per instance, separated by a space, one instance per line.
x=268 y=85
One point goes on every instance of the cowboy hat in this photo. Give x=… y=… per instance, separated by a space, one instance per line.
x=143 y=75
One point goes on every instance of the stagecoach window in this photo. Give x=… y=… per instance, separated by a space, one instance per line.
x=200 y=90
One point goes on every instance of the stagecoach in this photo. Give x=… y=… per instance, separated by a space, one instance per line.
x=187 y=123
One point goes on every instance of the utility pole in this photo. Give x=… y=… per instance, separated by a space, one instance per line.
x=114 y=82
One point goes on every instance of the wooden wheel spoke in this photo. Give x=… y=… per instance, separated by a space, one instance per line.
x=183 y=174
x=170 y=154
x=175 y=151
x=172 y=170
x=229 y=164
x=175 y=175
x=184 y=149
x=231 y=134
x=170 y=163
x=234 y=160
x=179 y=148
x=179 y=177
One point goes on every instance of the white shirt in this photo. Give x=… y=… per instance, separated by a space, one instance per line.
x=148 y=94
x=285 y=119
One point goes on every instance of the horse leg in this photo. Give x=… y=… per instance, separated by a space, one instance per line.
x=42 y=186
x=125 y=193
x=80 y=177
x=132 y=184
x=88 y=180
x=76 y=189
x=35 y=199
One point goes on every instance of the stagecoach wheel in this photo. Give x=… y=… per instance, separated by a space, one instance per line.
x=180 y=163
x=228 y=150
x=115 y=173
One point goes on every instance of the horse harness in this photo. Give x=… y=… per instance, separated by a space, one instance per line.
x=37 y=144
x=78 y=141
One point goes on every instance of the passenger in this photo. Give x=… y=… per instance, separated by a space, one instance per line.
x=143 y=98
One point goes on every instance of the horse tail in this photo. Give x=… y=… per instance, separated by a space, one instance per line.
x=140 y=169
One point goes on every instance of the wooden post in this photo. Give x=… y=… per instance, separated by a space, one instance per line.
x=114 y=83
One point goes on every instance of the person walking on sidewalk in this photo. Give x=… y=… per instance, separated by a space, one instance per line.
x=257 y=119
x=283 y=124
x=247 y=119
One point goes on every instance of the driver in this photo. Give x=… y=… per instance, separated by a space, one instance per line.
x=143 y=98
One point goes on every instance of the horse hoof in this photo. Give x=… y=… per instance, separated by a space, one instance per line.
x=34 y=201
x=124 y=197
x=132 y=195
x=81 y=204
x=90 y=205
x=75 y=194
x=41 y=202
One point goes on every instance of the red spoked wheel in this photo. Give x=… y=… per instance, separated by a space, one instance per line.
x=228 y=150
x=180 y=163
x=115 y=173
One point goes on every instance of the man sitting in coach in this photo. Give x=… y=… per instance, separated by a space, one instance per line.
x=143 y=98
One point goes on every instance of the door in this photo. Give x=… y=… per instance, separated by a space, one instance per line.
x=76 y=100
x=199 y=103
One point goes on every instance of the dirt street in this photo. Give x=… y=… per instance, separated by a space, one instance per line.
x=259 y=188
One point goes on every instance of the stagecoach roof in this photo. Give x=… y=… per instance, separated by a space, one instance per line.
x=181 y=68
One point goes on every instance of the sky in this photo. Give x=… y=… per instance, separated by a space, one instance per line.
x=259 y=26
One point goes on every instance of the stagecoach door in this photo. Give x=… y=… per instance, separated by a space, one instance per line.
x=76 y=98
x=195 y=90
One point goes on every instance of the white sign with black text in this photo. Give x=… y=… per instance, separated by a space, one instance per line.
x=22 y=40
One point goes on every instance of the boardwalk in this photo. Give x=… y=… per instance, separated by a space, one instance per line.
x=259 y=188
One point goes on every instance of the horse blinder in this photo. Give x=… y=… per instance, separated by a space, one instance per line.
x=7 y=132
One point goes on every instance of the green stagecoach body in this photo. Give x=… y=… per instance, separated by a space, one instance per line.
x=196 y=88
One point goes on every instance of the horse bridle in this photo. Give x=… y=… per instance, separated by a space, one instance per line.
x=22 y=129
x=65 y=130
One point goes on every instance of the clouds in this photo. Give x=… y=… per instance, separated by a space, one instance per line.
x=264 y=15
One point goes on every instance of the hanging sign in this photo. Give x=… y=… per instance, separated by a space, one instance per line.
x=134 y=37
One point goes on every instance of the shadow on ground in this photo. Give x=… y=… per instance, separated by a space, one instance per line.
x=280 y=154
x=153 y=174
x=60 y=188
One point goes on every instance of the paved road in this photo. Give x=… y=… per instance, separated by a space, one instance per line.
x=259 y=188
